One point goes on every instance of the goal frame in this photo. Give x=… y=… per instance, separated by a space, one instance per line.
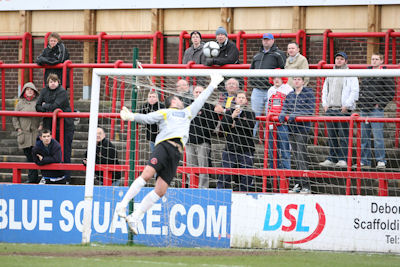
x=95 y=99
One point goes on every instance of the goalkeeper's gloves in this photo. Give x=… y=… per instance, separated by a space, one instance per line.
x=216 y=79
x=126 y=115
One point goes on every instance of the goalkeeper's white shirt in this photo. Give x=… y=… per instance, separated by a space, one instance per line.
x=174 y=123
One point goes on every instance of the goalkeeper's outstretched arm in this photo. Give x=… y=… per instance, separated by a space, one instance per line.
x=199 y=102
x=150 y=118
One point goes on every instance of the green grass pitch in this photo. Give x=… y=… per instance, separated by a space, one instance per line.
x=125 y=255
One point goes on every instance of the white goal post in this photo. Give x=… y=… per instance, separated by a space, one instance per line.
x=95 y=100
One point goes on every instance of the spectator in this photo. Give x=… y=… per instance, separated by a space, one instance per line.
x=195 y=52
x=228 y=52
x=239 y=151
x=269 y=57
x=153 y=104
x=301 y=102
x=339 y=95
x=276 y=97
x=226 y=99
x=183 y=91
x=46 y=151
x=375 y=94
x=28 y=127
x=105 y=154
x=295 y=60
x=52 y=97
x=199 y=144
x=53 y=54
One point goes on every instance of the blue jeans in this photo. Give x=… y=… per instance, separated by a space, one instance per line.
x=338 y=136
x=236 y=160
x=152 y=146
x=283 y=145
x=379 y=143
x=259 y=99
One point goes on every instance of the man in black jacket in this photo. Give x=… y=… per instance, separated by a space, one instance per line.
x=199 y=145
x=152 y=105
x=228 y=52
x=269 y=57
x=105 y=154
x=52 y=97
x=238 y=125
x=375 y=94
x=46 y=151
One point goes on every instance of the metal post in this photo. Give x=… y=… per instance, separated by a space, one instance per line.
x=133 y=135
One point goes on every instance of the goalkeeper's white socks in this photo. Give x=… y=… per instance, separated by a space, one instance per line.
x=133 y=190
x=148 y=201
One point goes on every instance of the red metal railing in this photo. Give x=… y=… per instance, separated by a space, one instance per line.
x=106 y=38
x=349 y=174
x=23 y=38
x=329 y=36
x=120 y=64
x=58 y=114
x=283 y=174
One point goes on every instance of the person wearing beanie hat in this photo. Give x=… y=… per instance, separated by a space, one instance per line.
x=221 y=30
x=28 y=127
x=228 y=52
x=195 y=51
x=339 y=96
x=269 y=57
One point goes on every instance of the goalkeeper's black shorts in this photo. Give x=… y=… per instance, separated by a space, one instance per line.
x=165 y=160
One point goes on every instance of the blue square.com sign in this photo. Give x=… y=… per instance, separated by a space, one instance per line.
x=54 y=214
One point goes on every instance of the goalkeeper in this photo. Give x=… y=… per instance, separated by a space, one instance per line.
x=174 y=122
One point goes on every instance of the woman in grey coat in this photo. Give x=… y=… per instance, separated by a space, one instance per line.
x=28 y=127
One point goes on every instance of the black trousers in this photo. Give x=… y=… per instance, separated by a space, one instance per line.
x=68 y=138
x=33 y=175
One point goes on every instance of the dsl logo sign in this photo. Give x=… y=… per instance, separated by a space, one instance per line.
x=295 y=223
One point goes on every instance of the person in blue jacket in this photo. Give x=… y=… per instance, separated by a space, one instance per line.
x=300 y=102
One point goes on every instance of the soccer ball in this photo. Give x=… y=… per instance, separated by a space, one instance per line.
x=211 y=49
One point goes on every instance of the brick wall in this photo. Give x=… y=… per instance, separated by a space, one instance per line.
x=9 y=55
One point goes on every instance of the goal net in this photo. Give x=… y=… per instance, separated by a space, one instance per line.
x=256 y=133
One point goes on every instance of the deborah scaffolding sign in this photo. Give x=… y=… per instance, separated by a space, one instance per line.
x=340 y=223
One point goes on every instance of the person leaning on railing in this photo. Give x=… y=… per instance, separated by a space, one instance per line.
x=46 y=151
x=28 y=127
x=55 y=53
x=375 y=94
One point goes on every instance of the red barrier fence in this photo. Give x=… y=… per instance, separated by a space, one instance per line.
x=329 y=36
x=120 y=64
x=106 y=38
x=354 y=120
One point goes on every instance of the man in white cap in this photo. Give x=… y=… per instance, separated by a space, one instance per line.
x=228 y=52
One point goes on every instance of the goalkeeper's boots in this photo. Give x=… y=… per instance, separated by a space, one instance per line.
x=120 y=210
x=132 y=223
